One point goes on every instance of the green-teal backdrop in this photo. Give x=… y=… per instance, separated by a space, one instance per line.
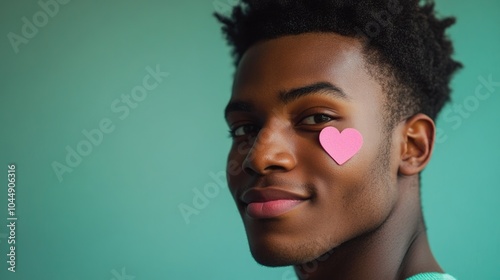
x=111 y=112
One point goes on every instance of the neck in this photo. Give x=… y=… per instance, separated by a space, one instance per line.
x=397 y=249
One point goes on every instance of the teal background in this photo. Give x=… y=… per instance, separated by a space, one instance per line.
x=119 y=208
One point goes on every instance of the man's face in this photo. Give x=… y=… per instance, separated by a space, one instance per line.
x=296 y=202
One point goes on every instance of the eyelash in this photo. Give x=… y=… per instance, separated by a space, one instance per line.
x=232 y=132
x=331 y=118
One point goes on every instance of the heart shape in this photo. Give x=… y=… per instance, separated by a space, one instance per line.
x=340 y=146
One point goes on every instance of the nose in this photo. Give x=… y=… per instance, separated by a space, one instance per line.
x=272 y=151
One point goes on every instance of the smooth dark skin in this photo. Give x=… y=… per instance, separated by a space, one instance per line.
x=365 y=214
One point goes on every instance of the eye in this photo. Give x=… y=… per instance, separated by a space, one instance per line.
x=316 y=119
x=242 y=130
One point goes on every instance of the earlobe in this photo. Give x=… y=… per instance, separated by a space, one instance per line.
x=418 y=133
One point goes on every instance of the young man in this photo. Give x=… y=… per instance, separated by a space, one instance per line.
x=332 y=118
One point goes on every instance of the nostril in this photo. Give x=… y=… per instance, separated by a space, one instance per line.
x=249 y=171
x=273 y=156
x=275 y=168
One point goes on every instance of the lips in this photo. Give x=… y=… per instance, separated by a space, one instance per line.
x=270 y=202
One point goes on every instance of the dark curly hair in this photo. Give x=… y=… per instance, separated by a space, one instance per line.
x=404 y=40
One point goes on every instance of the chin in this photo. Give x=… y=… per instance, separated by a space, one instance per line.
x=273 y=258
x=279 y=253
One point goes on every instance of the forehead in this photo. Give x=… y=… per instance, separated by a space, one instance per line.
x=296 y=60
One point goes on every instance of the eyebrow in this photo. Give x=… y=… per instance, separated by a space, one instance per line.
x=237 y=106
x=287 y=96
x=316 y=88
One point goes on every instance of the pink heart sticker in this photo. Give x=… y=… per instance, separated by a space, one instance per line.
x=340 y=146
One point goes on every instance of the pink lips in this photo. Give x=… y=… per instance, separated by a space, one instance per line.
x=270 y=202
x=270 y=209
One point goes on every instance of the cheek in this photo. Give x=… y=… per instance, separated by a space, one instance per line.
x=233 y=168
x=354 y=197
x=234 y=164
x=234 y=171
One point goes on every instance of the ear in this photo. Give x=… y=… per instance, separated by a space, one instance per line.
x=418 y=135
